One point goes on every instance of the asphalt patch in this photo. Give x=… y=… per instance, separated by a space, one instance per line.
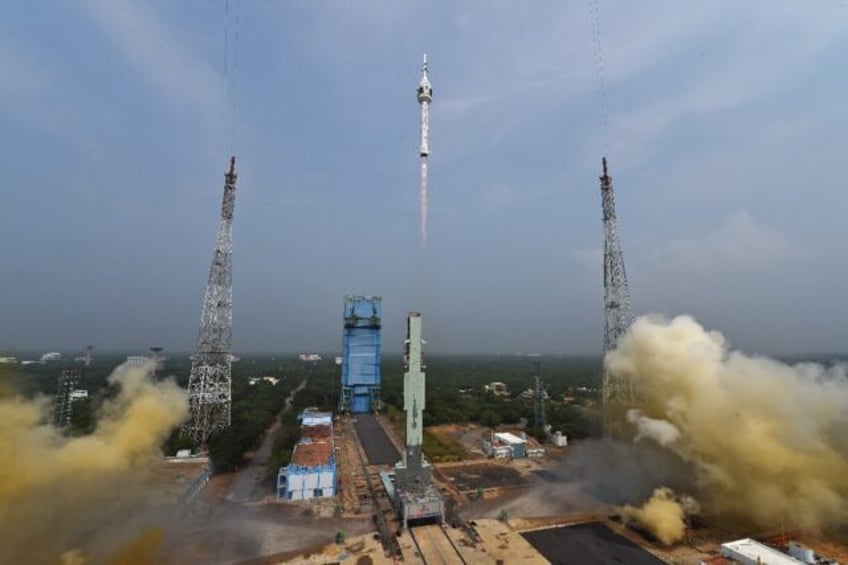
x=471 y=477
x=378 y=447
x=546 y=476
x=588 y=544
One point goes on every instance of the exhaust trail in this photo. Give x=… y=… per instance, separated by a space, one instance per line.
x=424 y=203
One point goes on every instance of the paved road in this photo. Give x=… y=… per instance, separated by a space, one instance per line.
x=244 y=486
x=378 y=447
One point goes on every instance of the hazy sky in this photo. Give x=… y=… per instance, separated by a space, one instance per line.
x=726 y=138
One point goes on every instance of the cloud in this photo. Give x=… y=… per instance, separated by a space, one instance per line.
x=739 y=245
x=22 y=76
x=155 y=51
x=590 y=257
x=723 y=74
x=499 y=196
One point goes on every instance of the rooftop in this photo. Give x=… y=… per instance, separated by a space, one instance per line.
x=316 y=433
x=312 y=454
x=313 y=418
x=757 y=552
x=507 y=437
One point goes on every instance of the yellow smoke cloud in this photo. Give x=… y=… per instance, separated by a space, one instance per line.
x=663 y=515
x=767 y=440
x=50 y=485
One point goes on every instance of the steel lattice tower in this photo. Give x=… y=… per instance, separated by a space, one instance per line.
x=539 y=398
x=63 y=403
x=617 y=392
x=210 y=384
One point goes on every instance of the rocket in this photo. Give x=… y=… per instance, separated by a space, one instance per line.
x=425 y=96
x=413 y=392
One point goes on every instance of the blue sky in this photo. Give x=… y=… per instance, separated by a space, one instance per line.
x=726 y=134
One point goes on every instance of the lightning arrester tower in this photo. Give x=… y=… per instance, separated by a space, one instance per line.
x=63 y=404
x=210 y=384
x=425 y=96
x=617 y=392
x=539 y=399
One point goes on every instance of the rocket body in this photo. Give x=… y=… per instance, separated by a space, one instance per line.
x=425 y=96
x=414 y=383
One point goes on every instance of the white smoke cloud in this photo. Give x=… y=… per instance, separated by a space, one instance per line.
x=661 y=431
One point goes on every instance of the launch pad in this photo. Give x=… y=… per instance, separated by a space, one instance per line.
x=414 y=506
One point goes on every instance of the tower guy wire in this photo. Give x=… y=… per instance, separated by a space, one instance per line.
x=232 y=29
x=600 y=72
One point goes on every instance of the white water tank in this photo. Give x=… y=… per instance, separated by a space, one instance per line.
x=558 y=439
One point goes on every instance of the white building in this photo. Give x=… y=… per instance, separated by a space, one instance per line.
x=505 y=445
x=312 y=471
x=497 y=388
x=749 y=552
x=806 y=555
x=253 y=380
x=79 y=394
x=137 y=360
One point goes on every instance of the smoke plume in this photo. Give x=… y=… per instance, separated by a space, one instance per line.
x=664 y=514
x=60 y=495
x=767 y=441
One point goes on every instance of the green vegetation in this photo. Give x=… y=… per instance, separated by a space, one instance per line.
x=439 y=451
x=82 y=417
x=456 y=394
x=254 y=407
x=253 y=410
x=321 y=392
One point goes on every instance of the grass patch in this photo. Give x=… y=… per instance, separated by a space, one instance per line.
x=438 y=450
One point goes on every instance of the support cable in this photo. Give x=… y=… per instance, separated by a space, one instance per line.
x=600 y=73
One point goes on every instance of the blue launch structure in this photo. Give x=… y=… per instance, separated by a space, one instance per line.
x=361 y=355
